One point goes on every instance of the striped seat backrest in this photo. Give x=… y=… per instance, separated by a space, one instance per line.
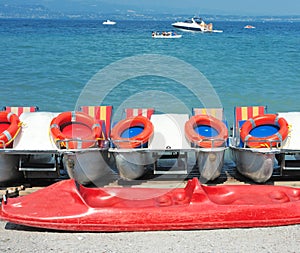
x=247 y=112
x=20 y=109
x=244 y=113
x=103 y=113
x=146 y=112
x=215 y=112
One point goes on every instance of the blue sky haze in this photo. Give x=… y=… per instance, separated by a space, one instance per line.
x=192 y=7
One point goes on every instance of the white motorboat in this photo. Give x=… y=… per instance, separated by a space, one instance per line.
x=195 y=24
x=109 y=22
x=166 y=35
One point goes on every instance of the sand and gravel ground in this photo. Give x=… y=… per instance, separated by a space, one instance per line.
x=15 y=238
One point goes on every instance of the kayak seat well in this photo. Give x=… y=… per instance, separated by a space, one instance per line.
x=194 y=192
x=119 y=197
x=260 y=195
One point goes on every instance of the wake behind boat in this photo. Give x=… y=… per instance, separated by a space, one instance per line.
x=166 y=35
x=195 y=24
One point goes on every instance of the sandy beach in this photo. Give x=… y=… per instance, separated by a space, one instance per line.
x=15 y=238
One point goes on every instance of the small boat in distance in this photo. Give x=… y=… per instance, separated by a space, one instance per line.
x=109 y=22
x=195 y=24
x=166 y=35
x=249 y=27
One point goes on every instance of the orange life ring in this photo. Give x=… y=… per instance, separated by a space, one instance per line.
x=9 y=134
x=134 y=141
x=73 y=142
x=203 y=141
x=268 y=141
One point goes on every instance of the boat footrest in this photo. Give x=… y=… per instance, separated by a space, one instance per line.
x=290 y=168
x=172 y=163
x=39 y=166
x=42 y=174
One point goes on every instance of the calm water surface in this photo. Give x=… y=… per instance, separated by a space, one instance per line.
x=48 y=62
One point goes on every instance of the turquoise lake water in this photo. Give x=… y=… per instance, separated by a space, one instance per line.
x=48 y=63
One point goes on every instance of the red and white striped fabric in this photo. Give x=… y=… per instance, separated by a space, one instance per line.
x=146 y=112
x=20 y=109
x=103 y=113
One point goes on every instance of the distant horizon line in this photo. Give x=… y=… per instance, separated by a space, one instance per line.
x=166 y=17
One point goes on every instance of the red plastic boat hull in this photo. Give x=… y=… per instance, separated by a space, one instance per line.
x=69 y=206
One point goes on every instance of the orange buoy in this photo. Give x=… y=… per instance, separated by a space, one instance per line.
x=134 y=141
x=267 y=141
x=204 y=141
x=75 y=130
x=10 y=126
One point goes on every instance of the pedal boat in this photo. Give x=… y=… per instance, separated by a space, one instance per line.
x=69 y=206
x=10 y=126
x=85 y=153
x=260 y=140
x=208 y=136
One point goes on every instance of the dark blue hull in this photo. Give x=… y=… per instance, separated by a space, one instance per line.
x=188 y=28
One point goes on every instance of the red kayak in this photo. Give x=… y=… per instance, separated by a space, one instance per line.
x=70 y=206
